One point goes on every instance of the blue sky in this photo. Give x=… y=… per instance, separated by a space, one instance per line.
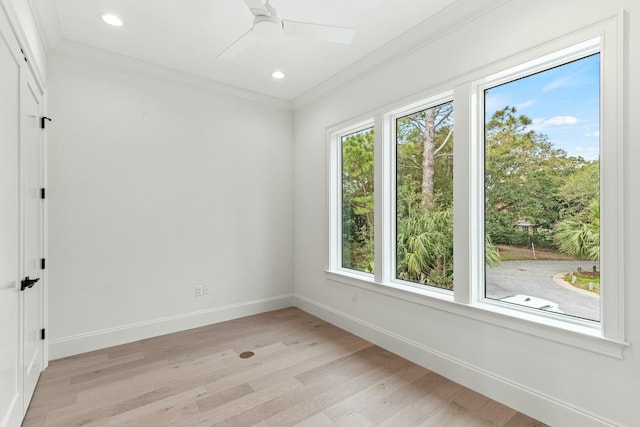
x=562 y=102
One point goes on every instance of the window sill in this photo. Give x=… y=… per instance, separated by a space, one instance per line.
x=579 y=335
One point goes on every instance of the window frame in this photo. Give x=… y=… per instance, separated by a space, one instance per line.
x=547 y=62
x=390 y=123
x=335 y=197
x=612 y=272
x=606 y=337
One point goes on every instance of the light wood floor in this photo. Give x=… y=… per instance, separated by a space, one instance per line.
x=304 y=372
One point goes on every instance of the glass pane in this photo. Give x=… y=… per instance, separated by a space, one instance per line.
x=424 y=197
x=357 y=201
x=542 y=190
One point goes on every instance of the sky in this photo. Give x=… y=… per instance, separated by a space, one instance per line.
x=563 y=103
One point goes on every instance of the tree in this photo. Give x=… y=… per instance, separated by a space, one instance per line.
x=523 y=174
x=424 y=196
x=579 y=190
x=425 y=248
x=357 y=201
x=581 y=237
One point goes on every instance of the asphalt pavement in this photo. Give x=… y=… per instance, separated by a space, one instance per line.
x=535 y=278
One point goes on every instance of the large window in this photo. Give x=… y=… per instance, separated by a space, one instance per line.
x=542 y=189
x=534 y=206
x=424 y=196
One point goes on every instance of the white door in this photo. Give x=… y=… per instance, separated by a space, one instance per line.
x=32 y=230
x=11 y=402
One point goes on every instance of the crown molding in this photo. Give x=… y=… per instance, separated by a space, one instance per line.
x=28 y=50
x=79 y=52
x=448 y=20
x=46 y=18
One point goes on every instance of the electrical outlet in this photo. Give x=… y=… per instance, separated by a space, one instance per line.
x=198 y=289
x=205 y=289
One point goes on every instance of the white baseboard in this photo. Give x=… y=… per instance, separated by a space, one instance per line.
x=95 y=340
x=537 y=405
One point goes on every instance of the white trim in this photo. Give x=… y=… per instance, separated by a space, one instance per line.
x=612 y=164
x=94 y=340
x=517 y=396
x=605 y=39
x=89 y=55
x=445 y=21
x=21 y=37
x=334 y=201
x=552 y=328
x=390 y=215
x=465 y=264
x=47 y=23
x=382 y=201
x=45 y=233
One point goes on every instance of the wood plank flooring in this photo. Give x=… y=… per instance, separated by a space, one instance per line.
x=304 y=372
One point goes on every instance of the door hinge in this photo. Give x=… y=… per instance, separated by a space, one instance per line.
x=43 y=334
x=43 y=263
x=43 y=120
x=23 y=55
x=43 y=193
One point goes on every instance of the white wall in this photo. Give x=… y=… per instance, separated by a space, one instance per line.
x=554 y=382
x=155 y=187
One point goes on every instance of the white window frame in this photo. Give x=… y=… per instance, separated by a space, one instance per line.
x=478 y=87
x=606 y=337
x=335 y=197
x=390 y=120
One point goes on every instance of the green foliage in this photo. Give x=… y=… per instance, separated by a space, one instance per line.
x=424 y=232
x=527 y=178
x=581 y=237
x=357 y=201
x=523 y=173
x=491 y=253
x=425 y=248
x=579 y=190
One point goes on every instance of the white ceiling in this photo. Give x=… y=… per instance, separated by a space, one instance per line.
x=187 y=35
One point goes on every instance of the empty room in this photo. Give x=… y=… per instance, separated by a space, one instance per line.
x=302 y=213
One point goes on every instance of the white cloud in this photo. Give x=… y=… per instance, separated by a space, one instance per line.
x=595 y=134
x=561 y=120
x=525 y=104
x=541 y=123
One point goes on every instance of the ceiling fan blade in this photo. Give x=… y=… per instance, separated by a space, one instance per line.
x=239 y=45
x=257 y=7
x=319 y=32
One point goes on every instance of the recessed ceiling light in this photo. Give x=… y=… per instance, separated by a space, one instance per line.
x=111 y=19
x=279 y=75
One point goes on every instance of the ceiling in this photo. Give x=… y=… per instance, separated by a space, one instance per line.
x=187 y=35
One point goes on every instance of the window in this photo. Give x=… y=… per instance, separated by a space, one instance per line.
x=534 y=207
x=424 y=196
x=357 y=194
x=542 y=189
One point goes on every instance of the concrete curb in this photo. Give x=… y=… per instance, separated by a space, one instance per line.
x=558 y=278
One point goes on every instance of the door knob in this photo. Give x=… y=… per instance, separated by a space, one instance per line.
x=28 y=283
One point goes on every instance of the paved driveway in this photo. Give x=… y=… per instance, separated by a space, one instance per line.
x=535 y=278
